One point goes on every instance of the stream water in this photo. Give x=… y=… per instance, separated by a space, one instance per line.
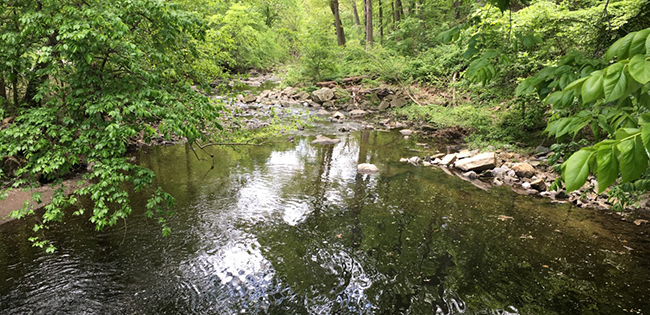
x=292 y=228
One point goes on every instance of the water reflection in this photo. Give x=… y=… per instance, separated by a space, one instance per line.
x=294 y=229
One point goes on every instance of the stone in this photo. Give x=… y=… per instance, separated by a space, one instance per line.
x=384 y=105
x=478 y=162
x=367 y=168
x=320 y=139
x=328 y=104
x=322 y=112
x=406 y=132
x=524 y=170
x=526 y=185
x=414 y=160
x=249 y=98
x=400 y=125
x=437 y=155
x=448 y=159
x=541 y=150
x=338 y=115
x=497 y=182
x=538 y=184
x=471 y=175
x=436 y=161
x=425 y=163
x=322 y=95
x=499 y=172
x=301 y=96
x=464 y=154
x=398 y=102
x=358 y=113
x=404 y=160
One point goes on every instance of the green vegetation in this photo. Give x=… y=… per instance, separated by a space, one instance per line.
x=82 y=80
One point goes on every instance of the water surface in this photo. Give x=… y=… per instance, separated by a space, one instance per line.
x=291 y=228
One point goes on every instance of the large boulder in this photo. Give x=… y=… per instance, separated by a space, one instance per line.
x=322 y=95
x=477 y=163
x=320 y=139
x=367 y=168
x=524 y=170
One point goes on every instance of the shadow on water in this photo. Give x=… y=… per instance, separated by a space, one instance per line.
x=294 y=229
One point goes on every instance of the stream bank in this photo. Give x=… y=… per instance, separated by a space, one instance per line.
x=526 y=170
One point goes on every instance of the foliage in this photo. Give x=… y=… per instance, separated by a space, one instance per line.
x=105 y=74
x=613 y=100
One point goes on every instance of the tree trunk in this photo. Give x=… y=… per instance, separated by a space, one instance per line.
x=399 y=10
x=369 y=37
x=3 y=89
x=340 y=34
x=381 y=23
x=356 y=13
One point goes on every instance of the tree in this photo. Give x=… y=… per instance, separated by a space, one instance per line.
x=95 y=76
x=340 y=34
x=368 y=25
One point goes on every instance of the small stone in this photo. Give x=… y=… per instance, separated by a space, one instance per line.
x=511 y=173
x=406 y=137
x=367 y=168
x=541 y=150
x=524 y=170
x=338 y=115
x=406 y=132
x=526 y=185
x=404 y=160
x=357 y=113
x=322 y=112
x=463 y=154
x=538 y=184
x=497 y=182
x=425 y=163
x=448 y=159
x=414 y=160
x=320 y=139
x=400 y=125
x=436 y=161
x=471 y=175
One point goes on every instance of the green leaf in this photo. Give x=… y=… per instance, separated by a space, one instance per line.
x=577 y=84
x=576 y=169
x=633 y=159
x=593 y=87
x=639 y=68
x=615 y=82
x=607 y=167
x=645 y=136
x=637 y=45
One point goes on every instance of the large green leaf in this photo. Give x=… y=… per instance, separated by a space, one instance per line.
x=576 y=169
x=615 y=82
x=633 y=159
x=607 y=167
x=637 y=45
x=592 y=89
x=639 y=68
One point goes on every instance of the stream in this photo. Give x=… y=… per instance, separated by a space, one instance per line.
x=292 y=228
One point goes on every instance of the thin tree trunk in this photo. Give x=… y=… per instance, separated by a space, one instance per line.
x=399 y=10
x=340 y=34
x=3 y=88
x=356 y=13
x=369 y=37
x=381 y=23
